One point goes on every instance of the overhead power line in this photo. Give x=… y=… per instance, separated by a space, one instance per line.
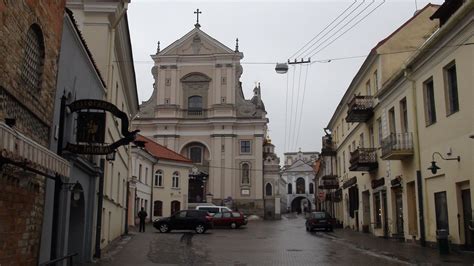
x=328 y=38
x=302 y=105
x=360 y=20
x=327 y=26
x=335 y=27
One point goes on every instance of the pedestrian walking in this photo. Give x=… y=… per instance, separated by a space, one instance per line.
x=142 y=215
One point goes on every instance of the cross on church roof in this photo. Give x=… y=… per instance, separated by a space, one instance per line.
x=197 y=12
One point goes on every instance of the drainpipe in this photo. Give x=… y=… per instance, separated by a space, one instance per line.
x=419 y=178
x=100 y=199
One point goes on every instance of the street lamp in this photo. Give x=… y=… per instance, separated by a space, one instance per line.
x=75 y=189
x=434 y=168
x=281 y=68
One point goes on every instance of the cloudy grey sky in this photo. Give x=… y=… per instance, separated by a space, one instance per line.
x=270 y=32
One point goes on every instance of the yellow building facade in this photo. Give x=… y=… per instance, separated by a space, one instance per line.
x=400 y=114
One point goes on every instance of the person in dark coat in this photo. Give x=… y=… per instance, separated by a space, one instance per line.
x=142 y=215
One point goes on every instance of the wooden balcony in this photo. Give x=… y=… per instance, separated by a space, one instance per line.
x=363 y=159
x=397 y=146
x=329 y=182
x=329 y=148
x=360 y=109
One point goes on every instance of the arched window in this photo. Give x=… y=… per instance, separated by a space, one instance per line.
x=268 y=189
x=195 y=154
x=33 y=59
x=311 y=188
x=158 y=208
x=290 y=189
x=159 y=178
x=245 y=168
x=300 y=186
x=175 y=181
x=195 y=103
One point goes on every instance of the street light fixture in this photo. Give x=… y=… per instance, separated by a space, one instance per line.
x=281 y=68
x=434 y=168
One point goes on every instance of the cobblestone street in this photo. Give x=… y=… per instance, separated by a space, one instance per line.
x=282 y=242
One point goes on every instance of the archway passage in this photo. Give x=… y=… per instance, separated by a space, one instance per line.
x=300 y=204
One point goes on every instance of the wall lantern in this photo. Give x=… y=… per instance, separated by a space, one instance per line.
x=434 y=168
x=75 y=189
x=110 y=157
x=281 y=68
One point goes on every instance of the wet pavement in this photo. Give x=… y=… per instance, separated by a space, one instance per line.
x=283 y=242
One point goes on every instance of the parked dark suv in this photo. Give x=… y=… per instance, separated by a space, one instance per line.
x=319 y=220
x=196 y=220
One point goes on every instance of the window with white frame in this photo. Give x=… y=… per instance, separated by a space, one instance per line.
x=175 y=181
x=245 y=146
x=245 y=174
x=158 y=178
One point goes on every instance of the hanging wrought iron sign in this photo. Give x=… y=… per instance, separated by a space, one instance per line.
x=91 y=128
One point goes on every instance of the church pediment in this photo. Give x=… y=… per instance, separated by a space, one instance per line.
x=196 y=42
x=299 y=166
x=195 y=77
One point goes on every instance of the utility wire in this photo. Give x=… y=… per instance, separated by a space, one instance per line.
x=302 y=105
x=335 y=26
x=341 y=28
x=286 y=108
x=296 y=109
x=360 y=20
x=291 y=107
x=327 y=26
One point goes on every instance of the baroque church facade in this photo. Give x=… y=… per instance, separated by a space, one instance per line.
x=198 y=110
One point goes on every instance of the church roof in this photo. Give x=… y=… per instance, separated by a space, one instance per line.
x=190 y=35
x=160 y=151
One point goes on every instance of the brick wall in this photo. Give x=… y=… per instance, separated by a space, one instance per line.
x=22 y=193
x=21 y=216
x=16 y=17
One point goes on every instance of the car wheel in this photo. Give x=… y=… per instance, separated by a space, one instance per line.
x=307 y=228
x=233 y=225
x=200 y=229
x=164 y=228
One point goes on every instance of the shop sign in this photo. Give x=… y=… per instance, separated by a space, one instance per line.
x=378 y=183
x=396 y=182
x=91 y=127
x=350 y=182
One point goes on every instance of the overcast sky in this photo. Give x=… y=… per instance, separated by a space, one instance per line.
x=270 y=32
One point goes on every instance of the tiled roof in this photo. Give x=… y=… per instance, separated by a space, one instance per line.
x=160 y=151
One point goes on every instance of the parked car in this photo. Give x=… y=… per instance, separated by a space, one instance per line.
x=197 y=220
x=213 y=209
x=319 y=220
x=232 y=219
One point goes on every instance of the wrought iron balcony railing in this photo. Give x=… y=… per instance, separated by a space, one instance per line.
x=397 y=146
x=360 y=109
x=363 y=159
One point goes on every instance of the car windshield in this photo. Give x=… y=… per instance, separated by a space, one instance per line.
x=319 y=215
